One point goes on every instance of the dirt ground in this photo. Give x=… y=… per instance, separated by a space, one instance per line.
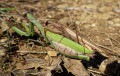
x=96 y=20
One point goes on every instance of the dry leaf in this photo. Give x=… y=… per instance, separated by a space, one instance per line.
x=31 y=63
x=3 y=47
x=47 y=57
x=75 y=67
x=3 y=26
x=52 y=53
x=110 y=66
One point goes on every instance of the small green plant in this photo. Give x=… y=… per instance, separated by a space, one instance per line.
x=5 y=10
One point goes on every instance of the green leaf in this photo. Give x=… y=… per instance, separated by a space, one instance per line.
x=7 y=8
x=31 y=29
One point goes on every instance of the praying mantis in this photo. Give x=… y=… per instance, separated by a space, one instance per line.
x=62 y=44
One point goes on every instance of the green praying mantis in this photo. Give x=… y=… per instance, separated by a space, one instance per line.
x=62 y=44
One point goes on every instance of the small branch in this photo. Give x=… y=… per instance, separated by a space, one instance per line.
x=32 y=52
x=73 y=8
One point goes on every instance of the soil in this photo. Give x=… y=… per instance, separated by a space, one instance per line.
x=98 y=21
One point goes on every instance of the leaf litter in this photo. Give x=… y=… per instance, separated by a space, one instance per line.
x=99 y=21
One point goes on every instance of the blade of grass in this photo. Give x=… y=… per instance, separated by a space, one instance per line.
x=31 y=29
x=7 y=8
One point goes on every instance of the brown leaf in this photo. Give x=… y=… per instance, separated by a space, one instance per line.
x=75 y=67
x=3 y=26
x=31 y=62
x=110 y=66
x=52 y=53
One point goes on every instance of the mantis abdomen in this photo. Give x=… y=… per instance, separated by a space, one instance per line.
x=67 y=51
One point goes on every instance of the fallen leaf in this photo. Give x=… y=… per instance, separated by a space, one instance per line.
x=3 y=26
x=110 y=66
x=31 y=63
x=52 y=53
x=75 y=67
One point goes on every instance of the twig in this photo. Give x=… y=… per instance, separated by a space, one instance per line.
x=110 y=41
x=32 y=52
x=115 y=41
x=73 y=8
x=104 y=47
x=107 y=47
x=38 y=42
x=97 y=72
